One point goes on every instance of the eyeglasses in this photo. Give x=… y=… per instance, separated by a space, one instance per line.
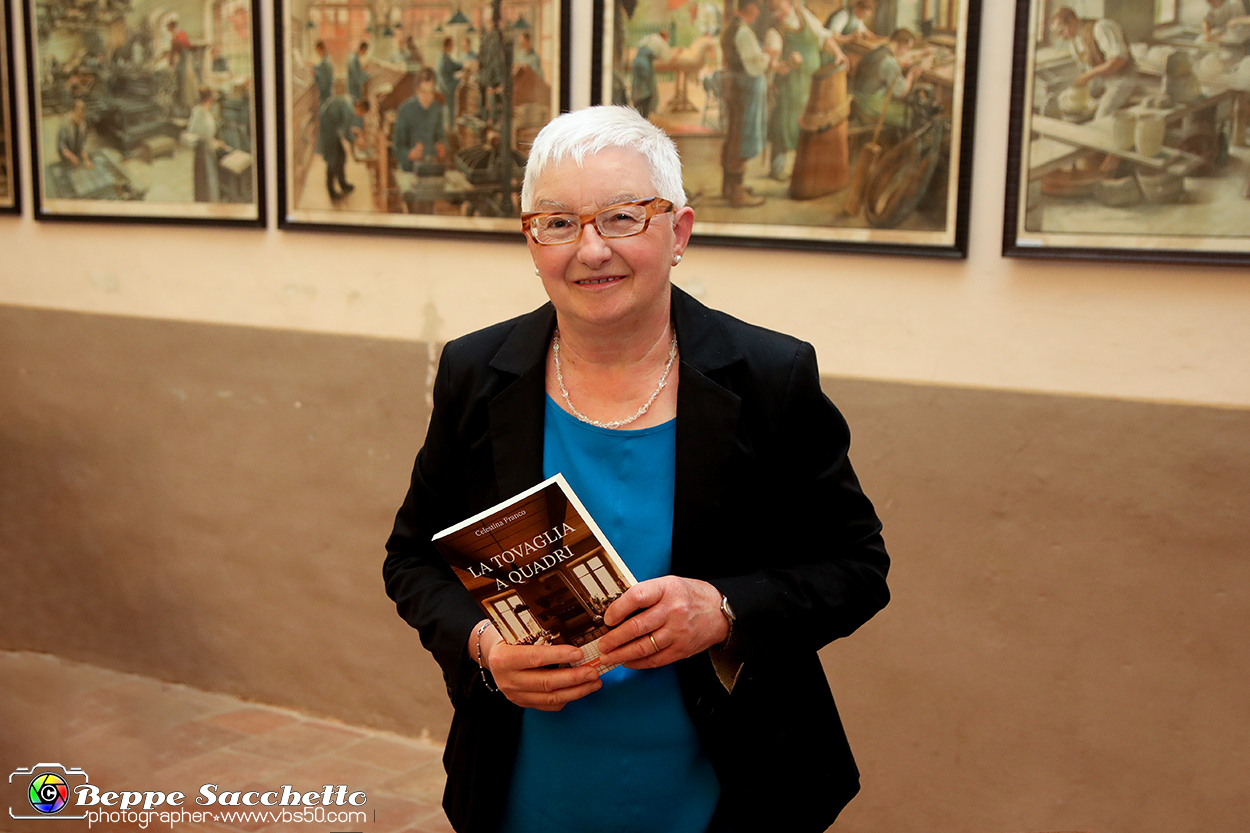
x=553 y=228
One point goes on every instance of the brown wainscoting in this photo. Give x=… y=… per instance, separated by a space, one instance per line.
x=1066 y=646
x=209 y=504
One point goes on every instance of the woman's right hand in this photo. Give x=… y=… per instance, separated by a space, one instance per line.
x=526 y=676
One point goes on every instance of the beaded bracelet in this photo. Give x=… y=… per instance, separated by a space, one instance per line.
x=480 y=667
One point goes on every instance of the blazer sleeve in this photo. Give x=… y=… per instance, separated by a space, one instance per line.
x=426 y=592
x=815 y=567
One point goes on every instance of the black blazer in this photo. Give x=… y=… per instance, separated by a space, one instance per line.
x=768 y=509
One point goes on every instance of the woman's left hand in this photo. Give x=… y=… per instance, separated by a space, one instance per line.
x=662 y=620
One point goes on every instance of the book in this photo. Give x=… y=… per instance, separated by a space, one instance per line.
x=540 y=568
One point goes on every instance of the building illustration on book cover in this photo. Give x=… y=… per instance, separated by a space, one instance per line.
x=539 y=566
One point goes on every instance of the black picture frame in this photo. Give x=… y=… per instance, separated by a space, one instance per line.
x=919 y=191
x=10 y=178
x=140 y=82
x=468 y=191
x=1082 y=186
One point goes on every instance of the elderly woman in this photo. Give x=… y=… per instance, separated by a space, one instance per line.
x=706 y=451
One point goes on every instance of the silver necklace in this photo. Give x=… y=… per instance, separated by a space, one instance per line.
x=619 y=423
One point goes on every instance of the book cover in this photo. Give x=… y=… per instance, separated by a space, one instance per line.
x=539 y=567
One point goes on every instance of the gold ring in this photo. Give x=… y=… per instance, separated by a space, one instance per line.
x=653 y=645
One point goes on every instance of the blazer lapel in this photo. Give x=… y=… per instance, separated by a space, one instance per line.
x=707 y=436
x=516 y=413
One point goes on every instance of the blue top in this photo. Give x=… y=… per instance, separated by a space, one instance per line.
x=625 y=758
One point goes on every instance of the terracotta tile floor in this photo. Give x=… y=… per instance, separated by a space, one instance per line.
x=133 y=733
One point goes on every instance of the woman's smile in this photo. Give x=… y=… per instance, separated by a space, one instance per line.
x=607 y=279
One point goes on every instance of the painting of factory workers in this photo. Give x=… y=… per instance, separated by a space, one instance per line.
x=1133 y=131
x=822 y=122
x=8 y=177
x=145 y=109
x=414 y=113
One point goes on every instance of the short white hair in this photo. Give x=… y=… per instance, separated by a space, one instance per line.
x=585 y=132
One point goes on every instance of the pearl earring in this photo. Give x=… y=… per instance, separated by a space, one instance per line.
x=536 y=272
x=676 y=260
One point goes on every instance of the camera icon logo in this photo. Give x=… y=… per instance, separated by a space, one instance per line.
x=49 y=790
x=48 y=793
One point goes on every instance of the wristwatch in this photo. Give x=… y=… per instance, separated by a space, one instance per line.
x=728 y=612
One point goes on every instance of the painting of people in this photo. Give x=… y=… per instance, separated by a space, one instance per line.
x=145 y=109
x=814 y=123
x=8 y=176
x=1132 y=139
x=415 y=113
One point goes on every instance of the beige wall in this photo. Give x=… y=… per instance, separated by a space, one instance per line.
x=1171 y=333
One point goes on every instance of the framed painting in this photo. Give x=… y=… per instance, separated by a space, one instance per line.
x=1128 y=135
x=815 y=124
x=414 y=114
x=10 y=201
x=146 y=111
